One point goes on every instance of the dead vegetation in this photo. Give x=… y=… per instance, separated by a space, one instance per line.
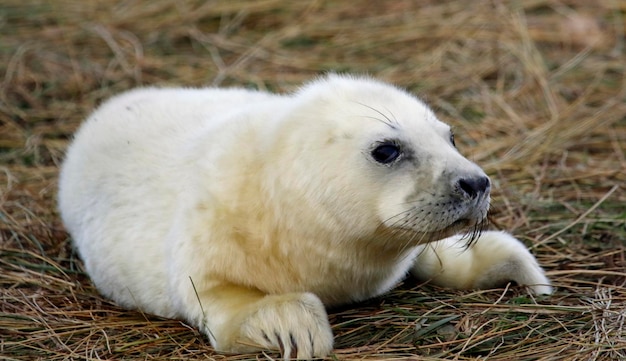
x=535 y=89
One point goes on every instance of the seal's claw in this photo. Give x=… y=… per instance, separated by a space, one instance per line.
x=295 y=324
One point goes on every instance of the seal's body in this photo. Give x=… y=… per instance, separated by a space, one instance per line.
x=245 y=213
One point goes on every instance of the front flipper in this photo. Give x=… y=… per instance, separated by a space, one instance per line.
x=239 y=319
x=493 y=260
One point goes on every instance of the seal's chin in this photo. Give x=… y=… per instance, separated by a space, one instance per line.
x=464 y=225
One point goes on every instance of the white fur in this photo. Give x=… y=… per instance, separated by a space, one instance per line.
x=495 y=259
x=245 y=213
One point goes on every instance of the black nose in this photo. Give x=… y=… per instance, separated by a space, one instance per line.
x=474 y=186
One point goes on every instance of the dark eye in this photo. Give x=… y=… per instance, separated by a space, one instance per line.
x=386 y=153
x=452 y=139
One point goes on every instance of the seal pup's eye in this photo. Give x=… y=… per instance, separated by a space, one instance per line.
x=452 y=139
x=386 y=153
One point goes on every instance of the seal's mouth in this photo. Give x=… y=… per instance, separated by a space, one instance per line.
x=435 y=221
x=460 y=226
x=465 y=225
x=471 y=228
x=468 y=222
x=463 y=222
x=475 y=217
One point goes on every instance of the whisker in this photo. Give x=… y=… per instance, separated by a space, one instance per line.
x=385 y=223
x=473 y=235
x=388 y=122
x=378 y=119
x=395 y=120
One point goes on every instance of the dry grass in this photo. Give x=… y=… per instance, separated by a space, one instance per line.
x=535 y=89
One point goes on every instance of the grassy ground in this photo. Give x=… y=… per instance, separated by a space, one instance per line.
x=536 y=91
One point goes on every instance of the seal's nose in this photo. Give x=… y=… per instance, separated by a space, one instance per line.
x=472 y=187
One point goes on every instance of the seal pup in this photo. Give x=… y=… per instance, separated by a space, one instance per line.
x=247 y=213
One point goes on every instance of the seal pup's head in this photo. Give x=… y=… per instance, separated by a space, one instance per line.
x=368 y=158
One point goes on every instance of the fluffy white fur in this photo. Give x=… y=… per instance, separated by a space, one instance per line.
x=246 y=213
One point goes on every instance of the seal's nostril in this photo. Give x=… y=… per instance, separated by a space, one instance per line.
x=473 y=186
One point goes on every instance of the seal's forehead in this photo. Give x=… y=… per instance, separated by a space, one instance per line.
x=399 y=108
x=366 y=98
x=336 y=87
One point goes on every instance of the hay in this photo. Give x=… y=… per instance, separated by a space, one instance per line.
x=536 y=91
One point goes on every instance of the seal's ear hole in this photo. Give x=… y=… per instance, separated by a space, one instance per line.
x=386 y=153
x=452 y=139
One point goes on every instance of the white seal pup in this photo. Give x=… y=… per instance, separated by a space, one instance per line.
x=246 y=213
